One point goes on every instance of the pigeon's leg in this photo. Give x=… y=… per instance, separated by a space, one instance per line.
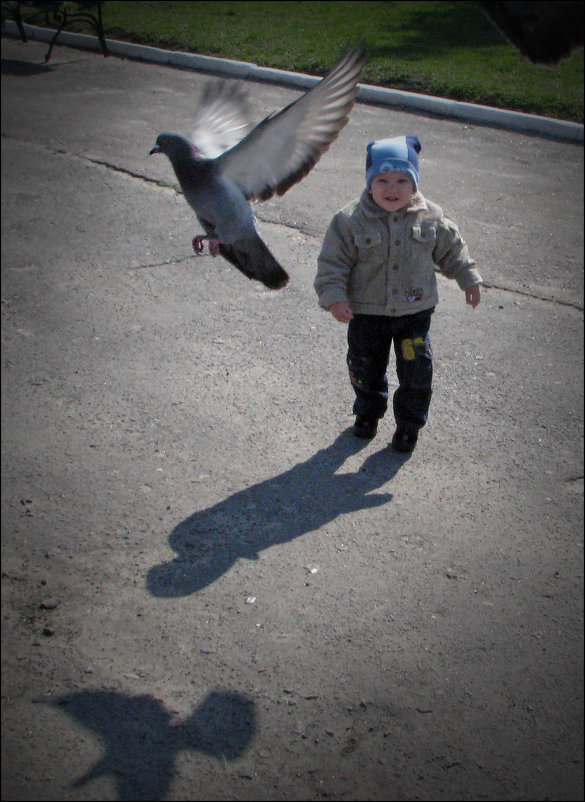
x=213 y=242
x=198 y=244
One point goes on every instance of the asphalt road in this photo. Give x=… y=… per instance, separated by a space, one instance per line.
x=211 y=590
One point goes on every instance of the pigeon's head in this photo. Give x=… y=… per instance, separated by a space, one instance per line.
x=175 y=146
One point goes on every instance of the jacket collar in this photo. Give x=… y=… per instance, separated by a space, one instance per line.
x=371 y=209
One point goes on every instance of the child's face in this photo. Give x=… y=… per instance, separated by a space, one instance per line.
x=392 y=191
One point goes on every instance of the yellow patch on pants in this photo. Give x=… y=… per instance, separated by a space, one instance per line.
x=408 y=348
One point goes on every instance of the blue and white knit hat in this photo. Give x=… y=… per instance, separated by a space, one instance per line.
x=397 y=155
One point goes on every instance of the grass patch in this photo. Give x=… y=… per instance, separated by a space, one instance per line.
x=448 y=49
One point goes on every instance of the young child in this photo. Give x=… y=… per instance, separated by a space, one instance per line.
x=376 y=271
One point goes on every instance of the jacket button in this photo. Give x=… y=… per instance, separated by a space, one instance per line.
x=394 y=291
x=397 y=242
x=394 y=267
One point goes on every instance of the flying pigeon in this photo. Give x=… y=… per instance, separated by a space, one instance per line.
x=225 y=165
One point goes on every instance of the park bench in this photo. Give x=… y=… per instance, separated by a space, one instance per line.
x=57 y=15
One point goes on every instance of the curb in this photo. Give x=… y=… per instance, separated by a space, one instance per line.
x=380 y=96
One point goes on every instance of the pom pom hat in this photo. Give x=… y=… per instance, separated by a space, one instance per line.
x=397 y=155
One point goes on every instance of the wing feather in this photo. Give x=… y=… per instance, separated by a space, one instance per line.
x=286 y=145
x=222 y=119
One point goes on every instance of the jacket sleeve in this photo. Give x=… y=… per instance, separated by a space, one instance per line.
x=452 y=256
x=336 y=260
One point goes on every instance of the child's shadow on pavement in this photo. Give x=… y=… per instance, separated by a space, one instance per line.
x=274 y=511
x=141 y=742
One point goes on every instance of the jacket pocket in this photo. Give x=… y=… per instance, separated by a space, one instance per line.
x=422 y=245
x=370 y=247
x=424 y=234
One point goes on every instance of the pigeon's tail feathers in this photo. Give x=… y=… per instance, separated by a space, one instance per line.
x=254 y=260
x=223 y=118
x=286 y=145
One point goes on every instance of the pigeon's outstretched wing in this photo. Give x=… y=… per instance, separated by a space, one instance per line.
x=222 y=119
x=286 y=145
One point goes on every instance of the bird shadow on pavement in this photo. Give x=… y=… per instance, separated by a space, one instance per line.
x=141 y=743
x=277 y=510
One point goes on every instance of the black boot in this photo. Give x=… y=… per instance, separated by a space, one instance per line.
x=404 y=440
x=365 y=427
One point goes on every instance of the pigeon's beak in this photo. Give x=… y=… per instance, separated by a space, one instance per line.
x=156 y=149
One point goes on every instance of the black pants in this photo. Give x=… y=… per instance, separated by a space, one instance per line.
x=370 y=338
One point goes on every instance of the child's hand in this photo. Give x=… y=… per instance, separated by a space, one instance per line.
x=473 y=296
x=341 y=311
